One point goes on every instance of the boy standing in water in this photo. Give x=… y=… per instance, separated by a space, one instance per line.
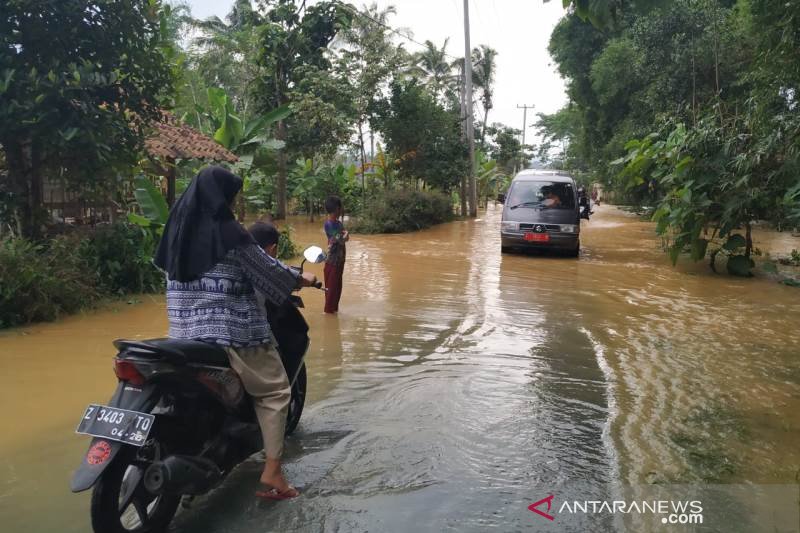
x=334 y=265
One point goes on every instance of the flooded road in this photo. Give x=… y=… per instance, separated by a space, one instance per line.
x=457 y=384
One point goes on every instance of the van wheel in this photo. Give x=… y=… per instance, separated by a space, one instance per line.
x=577 y=251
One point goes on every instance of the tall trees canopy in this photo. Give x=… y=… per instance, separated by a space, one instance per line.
x=424 y=135
x=484 y=70
x=506 y=148
x=294 y=39
x=368 y=59
x=434 y=68
x=78 y=79
x=690 y=106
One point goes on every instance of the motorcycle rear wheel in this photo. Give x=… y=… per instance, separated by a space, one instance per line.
x=297 y=401
x=124 y=480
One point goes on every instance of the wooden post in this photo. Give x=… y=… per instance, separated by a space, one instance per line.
x=170 y=175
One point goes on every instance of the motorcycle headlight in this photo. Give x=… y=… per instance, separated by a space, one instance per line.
x=569 y=228
x=509 y=226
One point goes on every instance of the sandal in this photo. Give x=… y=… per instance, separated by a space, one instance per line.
x=271 y=493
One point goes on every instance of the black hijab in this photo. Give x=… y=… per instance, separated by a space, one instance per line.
x=201 y=228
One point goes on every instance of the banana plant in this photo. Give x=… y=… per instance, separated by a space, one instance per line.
x=152 y=203
x=383 y=167
x=488 y=176
x=244 y=137
x=305 y=183
x=314 y=183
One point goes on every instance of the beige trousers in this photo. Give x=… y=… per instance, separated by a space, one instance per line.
x=262 y=374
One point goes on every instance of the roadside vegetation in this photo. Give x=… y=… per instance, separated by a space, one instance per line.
x=688 y=107
x=308 y=100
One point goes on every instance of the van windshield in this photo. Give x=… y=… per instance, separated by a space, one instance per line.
x=541 y=194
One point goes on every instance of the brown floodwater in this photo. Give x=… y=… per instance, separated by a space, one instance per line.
x=455 y=381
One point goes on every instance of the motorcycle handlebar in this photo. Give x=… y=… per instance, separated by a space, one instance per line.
x=317 y=285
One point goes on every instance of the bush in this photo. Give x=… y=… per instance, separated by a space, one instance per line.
x=41 y=281
x=121 y=257
x=400 y=211
x=287 y=248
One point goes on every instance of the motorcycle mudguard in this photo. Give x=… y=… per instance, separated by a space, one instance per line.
x=102 y=451
x=291 y=332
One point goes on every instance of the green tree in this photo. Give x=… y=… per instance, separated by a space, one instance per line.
x=434 y=69
x=707 y=93
x=78 y=82
x=294 y=39
x=323 y=112
x=225 y=54
x=506 y=148
x=489 y=178
x=557 y=131
x=368 y=59
x=483 y=77
x=423 y=136
x=608 y=13
x=249 y=138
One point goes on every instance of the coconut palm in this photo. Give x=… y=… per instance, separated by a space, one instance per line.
x=225 y=51
x=370 y=58
x=484 y=66
x=434 y=67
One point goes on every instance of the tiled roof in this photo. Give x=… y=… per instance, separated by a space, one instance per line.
x=179 y=141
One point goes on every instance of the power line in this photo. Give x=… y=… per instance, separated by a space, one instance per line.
x=393 y=30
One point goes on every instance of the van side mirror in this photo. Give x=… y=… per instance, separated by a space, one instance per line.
x=501 y=197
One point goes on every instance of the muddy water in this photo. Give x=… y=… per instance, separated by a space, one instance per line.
x=456 y=383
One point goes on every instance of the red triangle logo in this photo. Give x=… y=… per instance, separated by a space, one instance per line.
x=533 y=507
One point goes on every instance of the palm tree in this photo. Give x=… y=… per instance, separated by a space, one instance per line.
x=225 y=51
x=433 y=65
x=372 y=57
x=483 y=74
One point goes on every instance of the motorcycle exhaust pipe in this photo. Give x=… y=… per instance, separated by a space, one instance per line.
x=182 y=474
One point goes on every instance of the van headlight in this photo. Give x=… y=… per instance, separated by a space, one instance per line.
x=509 y=226
x=569 y=228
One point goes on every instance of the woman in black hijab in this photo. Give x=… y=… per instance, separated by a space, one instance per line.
x=214 y=268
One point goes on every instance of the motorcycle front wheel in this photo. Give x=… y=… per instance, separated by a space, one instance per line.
x=297 y=401
x=120 y=502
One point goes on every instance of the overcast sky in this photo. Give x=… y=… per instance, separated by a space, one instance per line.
x=518 y=29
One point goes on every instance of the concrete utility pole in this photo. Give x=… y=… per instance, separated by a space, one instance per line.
x=524 y=126
x=462 y=100
x=473 y=193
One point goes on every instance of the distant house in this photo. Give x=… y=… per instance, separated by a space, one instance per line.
x=168 y=142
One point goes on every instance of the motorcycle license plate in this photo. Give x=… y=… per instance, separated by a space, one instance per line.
x=130 y=427
x=537 y=237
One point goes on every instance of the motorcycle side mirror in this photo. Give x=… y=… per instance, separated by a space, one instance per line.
x=314 y=254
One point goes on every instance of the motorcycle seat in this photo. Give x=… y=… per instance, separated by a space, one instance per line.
x=179 y=350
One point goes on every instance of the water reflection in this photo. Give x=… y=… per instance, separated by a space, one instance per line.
x=456 y=384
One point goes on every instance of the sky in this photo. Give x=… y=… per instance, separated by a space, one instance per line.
x=518 y=29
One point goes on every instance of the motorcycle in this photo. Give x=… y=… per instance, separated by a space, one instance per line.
x=179 y=422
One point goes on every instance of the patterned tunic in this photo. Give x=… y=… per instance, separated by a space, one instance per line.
x=336 y=246
x=221 y=307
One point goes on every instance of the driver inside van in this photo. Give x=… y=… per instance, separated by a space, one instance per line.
x=551 y=198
